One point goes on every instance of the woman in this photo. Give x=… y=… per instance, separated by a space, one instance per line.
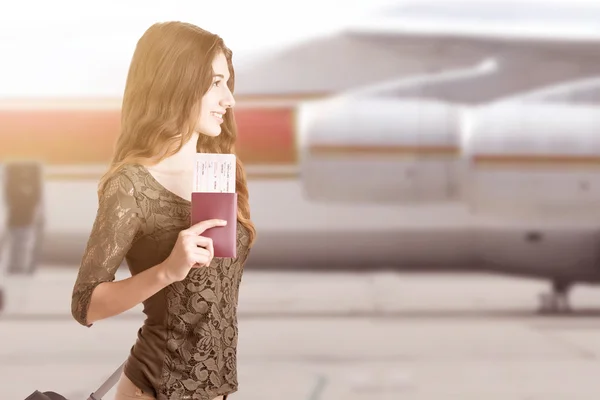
x=177 y=102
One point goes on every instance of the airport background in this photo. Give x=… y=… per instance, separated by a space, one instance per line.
x=423 y=178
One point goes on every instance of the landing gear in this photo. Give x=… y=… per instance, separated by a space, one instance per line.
x=556 y=301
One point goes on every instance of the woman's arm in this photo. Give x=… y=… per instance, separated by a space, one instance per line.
x=113 y=298
x=118 y=221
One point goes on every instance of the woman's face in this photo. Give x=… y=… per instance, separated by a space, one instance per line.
x=216 y=101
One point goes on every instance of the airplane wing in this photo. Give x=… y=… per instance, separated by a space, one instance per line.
x=478 y=85
x=535 y=44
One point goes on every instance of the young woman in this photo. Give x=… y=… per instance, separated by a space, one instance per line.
x=178 y=101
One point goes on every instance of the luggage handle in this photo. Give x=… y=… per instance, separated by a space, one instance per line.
x=97 y=395
x=108 y=384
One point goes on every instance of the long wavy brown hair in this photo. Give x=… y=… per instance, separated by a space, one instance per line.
x=170 y=72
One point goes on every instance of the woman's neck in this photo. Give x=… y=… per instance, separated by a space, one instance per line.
x=175 y=173
x=180 y=162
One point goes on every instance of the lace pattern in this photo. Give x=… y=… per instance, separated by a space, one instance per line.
x=200 y=331
x=117 y=225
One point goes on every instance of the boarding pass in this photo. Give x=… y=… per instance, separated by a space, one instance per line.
x=214 y=173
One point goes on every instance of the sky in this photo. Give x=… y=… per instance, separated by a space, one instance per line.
x=83 y=48
x=74 y=48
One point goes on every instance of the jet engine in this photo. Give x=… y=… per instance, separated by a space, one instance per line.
x=372 y=150
x=533 y=158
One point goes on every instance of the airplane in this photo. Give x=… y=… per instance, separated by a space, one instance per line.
x=422 y=222
x=517 y=179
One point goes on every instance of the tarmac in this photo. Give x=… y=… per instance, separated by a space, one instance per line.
x=317 y=336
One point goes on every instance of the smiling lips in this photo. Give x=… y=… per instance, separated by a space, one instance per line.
x=218 y=115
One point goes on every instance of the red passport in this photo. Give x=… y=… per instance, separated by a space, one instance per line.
x=218 y=206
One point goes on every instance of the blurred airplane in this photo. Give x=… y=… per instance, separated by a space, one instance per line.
x=376 y=177
x=512 y=185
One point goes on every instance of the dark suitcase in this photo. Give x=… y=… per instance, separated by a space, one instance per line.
x=23 y=187
x=97 y=395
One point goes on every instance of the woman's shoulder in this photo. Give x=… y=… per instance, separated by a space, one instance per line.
x=131 y=176
x=133 y=172
x=126 y=181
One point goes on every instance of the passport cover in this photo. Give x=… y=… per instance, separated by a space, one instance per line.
x=220 y=206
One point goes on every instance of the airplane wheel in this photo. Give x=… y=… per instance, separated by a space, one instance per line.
x=548 y=303
x=556 y=301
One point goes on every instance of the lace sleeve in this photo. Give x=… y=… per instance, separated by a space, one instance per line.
x=116 y=225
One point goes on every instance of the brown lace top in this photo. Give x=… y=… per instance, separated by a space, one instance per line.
x=186 y=348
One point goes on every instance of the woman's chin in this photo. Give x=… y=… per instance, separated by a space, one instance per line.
x=212 y=132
